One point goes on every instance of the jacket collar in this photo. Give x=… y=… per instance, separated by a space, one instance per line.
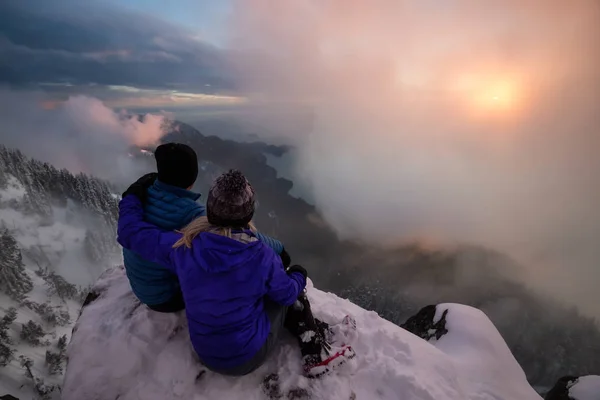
x=179 y=192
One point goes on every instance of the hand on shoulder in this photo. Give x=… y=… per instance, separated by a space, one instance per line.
x=140 y=187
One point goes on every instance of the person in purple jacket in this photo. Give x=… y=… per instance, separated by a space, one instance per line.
x=236 y=290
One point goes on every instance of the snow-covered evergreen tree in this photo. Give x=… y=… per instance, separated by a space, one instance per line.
x=46 y=184
x=26 y=363
x=54 y=362
x=3 y=179
x=6 y=353
x=14 y=281
x=6 y=349
x=36 y=201
x=62 y=344
x=32 y=333
x=57 y=285
x=53 y=315
x=41 y=388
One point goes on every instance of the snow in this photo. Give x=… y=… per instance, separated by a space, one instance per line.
x=12 y=380
x=121 y=349
x=586 y=388
x=439 y=313
x=61 y=240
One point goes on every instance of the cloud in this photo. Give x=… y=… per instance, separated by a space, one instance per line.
x=89 y=42
x=81 y=134
x=455 y=121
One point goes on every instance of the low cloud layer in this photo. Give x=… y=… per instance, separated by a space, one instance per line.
x=442 y=120
x=81 y=134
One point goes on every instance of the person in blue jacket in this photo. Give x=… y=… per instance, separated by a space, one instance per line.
x=236 y=290
x=171 y=205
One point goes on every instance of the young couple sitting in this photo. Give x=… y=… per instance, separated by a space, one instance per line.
x=236 y=285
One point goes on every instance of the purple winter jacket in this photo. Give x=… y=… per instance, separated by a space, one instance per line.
x=223 y=281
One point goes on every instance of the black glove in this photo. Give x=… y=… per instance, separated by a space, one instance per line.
x=297 y=268
x=285 y=258
x=140 y=187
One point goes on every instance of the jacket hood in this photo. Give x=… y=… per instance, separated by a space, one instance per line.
x=218 y=253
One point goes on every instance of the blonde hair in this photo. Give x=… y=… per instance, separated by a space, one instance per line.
x=200 y=225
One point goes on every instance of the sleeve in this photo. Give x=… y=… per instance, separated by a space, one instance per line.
x=145 y=239
x=283 y=288
x=275 y=244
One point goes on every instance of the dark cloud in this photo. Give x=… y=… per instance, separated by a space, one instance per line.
x=87 y=42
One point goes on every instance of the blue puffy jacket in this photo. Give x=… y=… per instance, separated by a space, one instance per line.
x=169 y=208
x=223 y=281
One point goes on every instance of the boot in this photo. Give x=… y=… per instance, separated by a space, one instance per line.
x=317 y=357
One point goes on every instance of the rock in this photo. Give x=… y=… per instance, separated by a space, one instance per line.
x=575 y=388
x=560 y=391
x=424 y=325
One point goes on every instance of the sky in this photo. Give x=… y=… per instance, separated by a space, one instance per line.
x=448 y=121
x=128 y=53
x=205 y=17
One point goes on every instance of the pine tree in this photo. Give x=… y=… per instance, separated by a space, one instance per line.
x=35 y=201
x=54 y=362
x=6 y=322
x=58 y=286
x=6 y=354
x=41 y=388
x=45 y=184
x=14 y=281
x=26 y=363
x=32 y=333
x=62 y=344
x=6 y=351
x=55 y=316
x=3 y=179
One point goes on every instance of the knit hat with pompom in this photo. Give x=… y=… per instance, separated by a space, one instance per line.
x=230 y=200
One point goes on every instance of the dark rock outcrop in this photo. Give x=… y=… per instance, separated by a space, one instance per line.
x=90 y=298
x=560 y=391
x=422 y=324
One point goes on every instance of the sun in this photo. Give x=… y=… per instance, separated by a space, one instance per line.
x=500 y=96
x=491 y=95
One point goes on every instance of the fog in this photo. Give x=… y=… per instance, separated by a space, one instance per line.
x=445 y=121
x=80 y=134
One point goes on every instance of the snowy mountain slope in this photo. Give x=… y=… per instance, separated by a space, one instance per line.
x=48 y=248
x=13 y=378
x=120 y=349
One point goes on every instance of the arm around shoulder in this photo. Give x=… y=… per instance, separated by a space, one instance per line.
x=147 y=240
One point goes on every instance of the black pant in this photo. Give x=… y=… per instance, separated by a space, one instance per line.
x=173 y=305
x=300 y=320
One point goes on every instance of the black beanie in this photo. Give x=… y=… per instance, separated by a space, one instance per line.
x=177 y=164
x=230 y=200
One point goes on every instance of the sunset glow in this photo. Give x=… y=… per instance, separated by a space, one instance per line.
x=491 y=95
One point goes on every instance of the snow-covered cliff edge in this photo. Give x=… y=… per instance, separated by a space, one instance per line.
x=120 y=349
